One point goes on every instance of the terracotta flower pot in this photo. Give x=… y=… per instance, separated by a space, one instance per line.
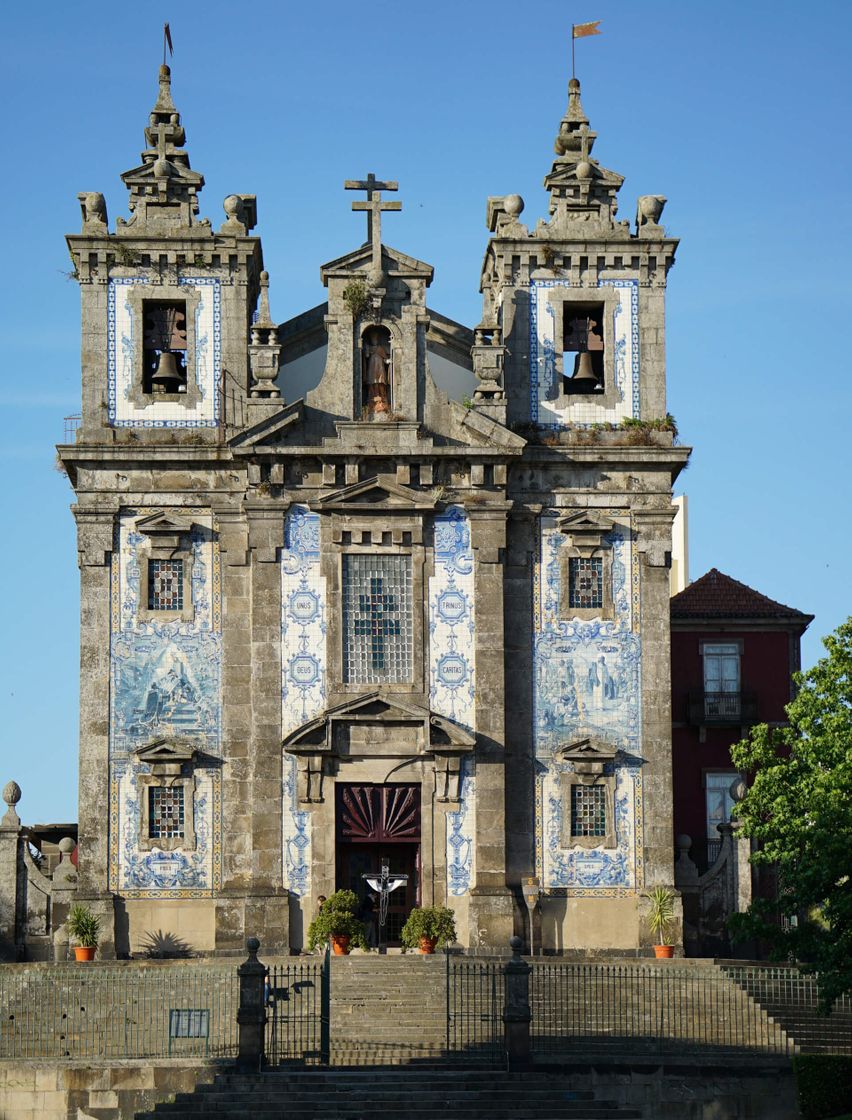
x=427 y=945
x=340 y=944
x=84 y=952
x=663 y=952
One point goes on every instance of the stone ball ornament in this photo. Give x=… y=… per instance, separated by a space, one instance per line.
x=67 y=845
x=162 y=168
x=514 y=205
x=584 y=169
x=11 y=793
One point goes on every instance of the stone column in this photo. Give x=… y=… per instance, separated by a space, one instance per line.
x=491 y=908
x=236 y=729
x=267 y=908
x=251 y=1016
x=10 y=831
x=517 y=1014
x=95 y=533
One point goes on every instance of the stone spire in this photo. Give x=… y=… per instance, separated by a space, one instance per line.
x=582 y=193
x=163 y=190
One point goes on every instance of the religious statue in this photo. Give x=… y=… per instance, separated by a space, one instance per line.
x=375 y=366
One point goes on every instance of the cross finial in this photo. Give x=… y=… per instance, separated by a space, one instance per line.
x=374 y=207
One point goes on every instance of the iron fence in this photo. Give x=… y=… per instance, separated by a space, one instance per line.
x=298 y=998
x=601 y=1008
x=475 y=998
x=792 y=999
x=93 y=1011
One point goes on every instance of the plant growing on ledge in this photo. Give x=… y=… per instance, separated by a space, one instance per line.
x=355 y=297
x=661 y=918
x=336 y=921
x=84 y=927
x=428 y=926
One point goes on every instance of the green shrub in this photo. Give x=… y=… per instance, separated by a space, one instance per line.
x=83 y=926
x=824 y=1084
x=336 y=918
x=435 y=922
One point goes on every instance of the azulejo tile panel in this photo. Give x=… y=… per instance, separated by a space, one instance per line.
x=588 y=683
x=165 y=682
x=303 y=673
x=124 y=359
x=548 y=408
x=452 y=669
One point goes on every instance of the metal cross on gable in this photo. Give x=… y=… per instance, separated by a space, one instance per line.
x=377 y=626
x=374 y=207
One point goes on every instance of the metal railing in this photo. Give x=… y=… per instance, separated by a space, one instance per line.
x=91 y=1011
x=475 y=998
x=603 y=1008
x=71 y=425
x=722 y=707
x=792 y=999
x=297 y=998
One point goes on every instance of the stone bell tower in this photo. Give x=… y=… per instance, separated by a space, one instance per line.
x=570 y=353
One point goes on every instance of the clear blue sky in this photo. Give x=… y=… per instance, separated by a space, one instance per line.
x=737 y=111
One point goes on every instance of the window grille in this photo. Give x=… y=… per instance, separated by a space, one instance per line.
x=165 y=585
x=585 y=582
x=588 y=811
x=377 y=619
x=165 y=812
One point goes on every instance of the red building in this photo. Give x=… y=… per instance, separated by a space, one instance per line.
x=733 y=654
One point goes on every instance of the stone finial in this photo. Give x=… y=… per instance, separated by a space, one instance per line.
x=93 y=207
x=264 y=349
x=649 y=210
x=574 y=135
x=240 y=214
x=11 y=795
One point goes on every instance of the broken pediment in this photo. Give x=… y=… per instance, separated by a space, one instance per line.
x=588 y=756
x=268 y=432
x=480 y=430
x=378 y=493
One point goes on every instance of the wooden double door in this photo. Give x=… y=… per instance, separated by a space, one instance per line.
x=375 y=824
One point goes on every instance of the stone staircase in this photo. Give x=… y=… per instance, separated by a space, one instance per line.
x=385 y=1093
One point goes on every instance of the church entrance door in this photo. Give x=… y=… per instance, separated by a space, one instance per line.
x=376 y=823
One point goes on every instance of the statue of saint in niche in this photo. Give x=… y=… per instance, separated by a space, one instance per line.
x=376 y=372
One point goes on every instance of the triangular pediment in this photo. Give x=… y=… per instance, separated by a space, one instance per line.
x=377 y=493
x=442 y=734
x=565 y=172
x=394 y=263
x=166 y=750
x=268 y=432
x=161 y=525
x=588 y=755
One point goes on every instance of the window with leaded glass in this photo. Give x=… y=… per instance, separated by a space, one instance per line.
x=165 y=812
x=377 y=619
x=585 y=582
x=165 y=585
x=588 y=811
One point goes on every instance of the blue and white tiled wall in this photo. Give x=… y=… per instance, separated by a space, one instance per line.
x=303 y=674
x=452 y=672
x=587 y=682
x=546 y=407
x=165 y=680
x=123 y=359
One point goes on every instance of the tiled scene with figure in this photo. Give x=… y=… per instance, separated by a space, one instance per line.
x=373 y=622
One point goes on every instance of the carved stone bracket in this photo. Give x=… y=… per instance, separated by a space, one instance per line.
x=94 y=537
x=655 y=535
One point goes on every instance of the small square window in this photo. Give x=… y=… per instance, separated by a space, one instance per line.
x=585 y=582
x=165 y=812
x=588 y=811
x=165 y=585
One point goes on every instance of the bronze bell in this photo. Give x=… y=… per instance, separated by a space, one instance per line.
x=583 y=379
x=168 y=377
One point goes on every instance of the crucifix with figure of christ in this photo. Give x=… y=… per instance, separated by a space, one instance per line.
x=374 y=207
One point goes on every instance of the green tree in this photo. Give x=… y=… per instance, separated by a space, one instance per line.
x=799 y=812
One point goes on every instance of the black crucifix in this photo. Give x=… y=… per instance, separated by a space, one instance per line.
x=374 y=207
x=376 y=627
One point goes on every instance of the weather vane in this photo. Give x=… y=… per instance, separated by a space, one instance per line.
x=578 y=31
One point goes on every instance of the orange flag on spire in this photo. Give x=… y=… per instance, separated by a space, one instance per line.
x=581 y=30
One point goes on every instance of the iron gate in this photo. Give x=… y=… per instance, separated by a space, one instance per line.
x=298 y=1009
x=475 y=998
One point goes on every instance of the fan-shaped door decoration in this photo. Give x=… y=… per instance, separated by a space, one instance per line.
x=378 y=814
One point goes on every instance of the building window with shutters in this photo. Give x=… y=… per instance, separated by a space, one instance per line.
x=722 y=688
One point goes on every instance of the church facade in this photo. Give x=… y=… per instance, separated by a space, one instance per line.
x=373 y=624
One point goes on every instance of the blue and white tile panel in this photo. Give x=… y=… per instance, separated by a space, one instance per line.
x=545 y=409
x=123 y=360
x=303 y=673
x=587 y=682
x=452 y=669
x=165 y=680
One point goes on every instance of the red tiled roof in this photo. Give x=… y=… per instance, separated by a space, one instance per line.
x=716 y=595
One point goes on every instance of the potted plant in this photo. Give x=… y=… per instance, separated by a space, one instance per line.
x=428 y=926
x=661 y=918
x=336 y=921
x=84 y=927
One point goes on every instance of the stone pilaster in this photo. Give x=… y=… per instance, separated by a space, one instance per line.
x=95 y=529
x=10 y=831
x=491 y=909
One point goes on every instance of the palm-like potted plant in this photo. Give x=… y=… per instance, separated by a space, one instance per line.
x=84 y=927
x=336 y=921
x=428 y=926
x=661 y=918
